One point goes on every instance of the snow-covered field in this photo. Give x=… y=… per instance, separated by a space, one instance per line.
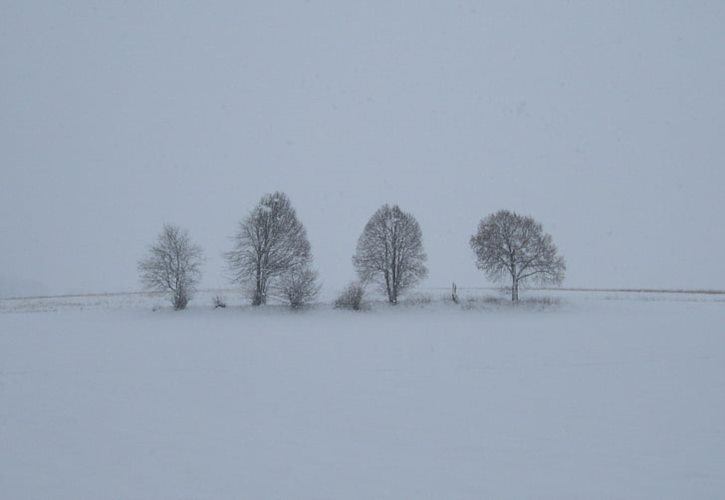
x=596 y=396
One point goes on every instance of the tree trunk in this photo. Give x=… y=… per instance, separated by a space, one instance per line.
x=181 y=299
x=258 y=298
x=389 y=288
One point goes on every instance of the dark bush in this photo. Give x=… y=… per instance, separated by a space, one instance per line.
x=351 y=297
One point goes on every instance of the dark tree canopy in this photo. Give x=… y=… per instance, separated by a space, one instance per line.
x=173 y=265
x=390 y=252
x=270 y=243
x=509 y=244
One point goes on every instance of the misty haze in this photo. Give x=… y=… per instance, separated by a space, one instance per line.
x=314 y=249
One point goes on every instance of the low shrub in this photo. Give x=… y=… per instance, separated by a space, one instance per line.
x=351 y=297
x=219 y=302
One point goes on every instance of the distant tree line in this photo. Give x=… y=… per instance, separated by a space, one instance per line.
x=272 y=257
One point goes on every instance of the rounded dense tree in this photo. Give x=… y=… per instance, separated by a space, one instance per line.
x=271 y=250
x=173 y=265
x=511 y=245
x=390 y=252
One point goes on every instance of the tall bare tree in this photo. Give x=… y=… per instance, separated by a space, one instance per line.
x=270 y=242
x=173 y=265
x=509 y=244
x=390 y=252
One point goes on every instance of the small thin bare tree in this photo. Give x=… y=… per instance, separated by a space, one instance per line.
x=509 y=244
x=173 y=265
x=390 y=252
x=269 y=243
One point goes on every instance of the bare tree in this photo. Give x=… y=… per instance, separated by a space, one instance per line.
x=390 y=252
x=509 y=244
x=269 y=243
x=173 y=265
x=299 y=286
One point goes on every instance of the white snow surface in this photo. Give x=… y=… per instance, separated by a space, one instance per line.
x=598 y=396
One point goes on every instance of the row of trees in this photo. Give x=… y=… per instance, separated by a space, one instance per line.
x=272 y=256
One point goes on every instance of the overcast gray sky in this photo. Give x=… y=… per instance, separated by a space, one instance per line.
x=604 y=120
